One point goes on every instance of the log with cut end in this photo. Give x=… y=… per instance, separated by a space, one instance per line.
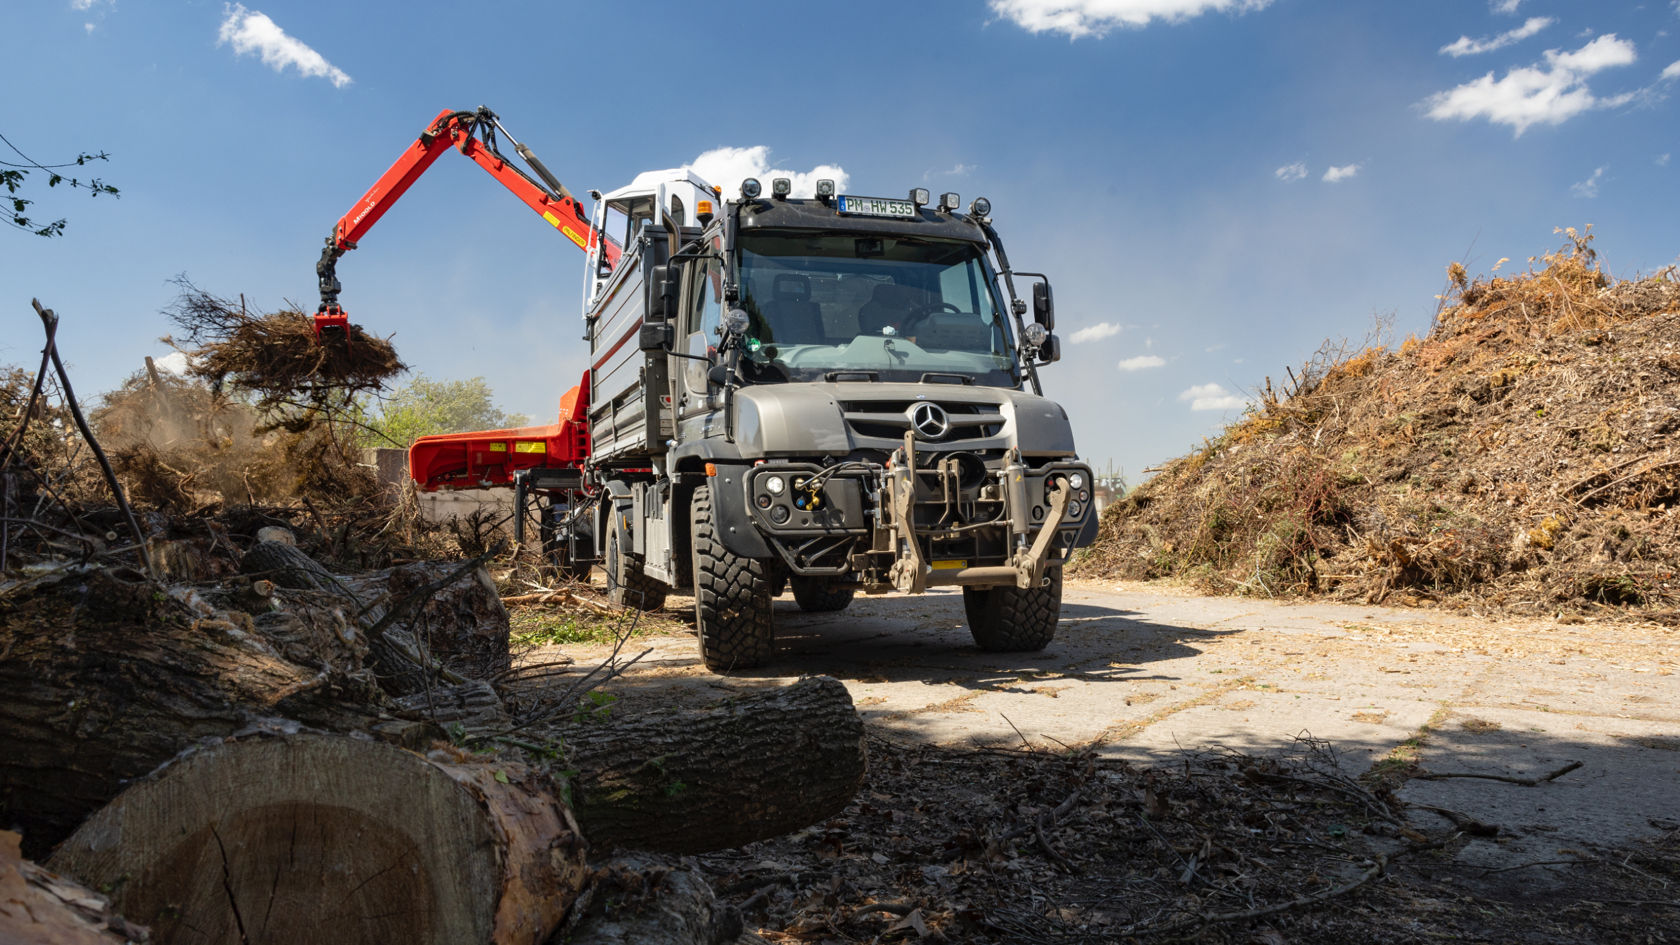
x=286 y=838
x=690 y=780
x=102 y=680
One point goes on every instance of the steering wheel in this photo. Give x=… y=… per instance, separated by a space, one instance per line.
x=920 y=313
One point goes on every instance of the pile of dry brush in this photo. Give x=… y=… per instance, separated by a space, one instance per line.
x=258 y=431
x=1521 y=456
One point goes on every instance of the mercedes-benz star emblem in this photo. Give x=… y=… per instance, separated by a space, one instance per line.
x=929 y=421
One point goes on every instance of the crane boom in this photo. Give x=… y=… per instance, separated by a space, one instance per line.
x=473 y=133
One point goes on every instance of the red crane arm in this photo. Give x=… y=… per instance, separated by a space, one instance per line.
x=473 y=134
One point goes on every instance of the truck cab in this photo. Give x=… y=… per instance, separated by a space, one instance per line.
x=837 y=393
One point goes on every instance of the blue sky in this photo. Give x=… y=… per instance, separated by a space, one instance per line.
x=1214 y=186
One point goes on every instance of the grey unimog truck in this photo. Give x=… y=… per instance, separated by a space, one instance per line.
x=831 y=394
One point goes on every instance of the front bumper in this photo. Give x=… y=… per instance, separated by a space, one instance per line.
x=923 y=519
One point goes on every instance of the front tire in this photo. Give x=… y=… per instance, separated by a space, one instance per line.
x=1010 y=620
x=819 y=595
x=731 y=596
x=627 y=584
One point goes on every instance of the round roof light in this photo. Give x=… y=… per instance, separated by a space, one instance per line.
x=981 y=207
x=751 y=188
x=1035 y=335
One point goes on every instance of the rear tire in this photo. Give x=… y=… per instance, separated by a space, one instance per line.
x=627 y=584
x=1010 y=620
x=819 y=595
x=731 y=596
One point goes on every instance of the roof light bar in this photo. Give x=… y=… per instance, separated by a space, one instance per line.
x=751 y=188
x=949 y=202
x=781 y=187
x=981 y=207
x=919 y=196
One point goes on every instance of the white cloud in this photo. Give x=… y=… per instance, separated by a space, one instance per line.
x=1291 y=172
x=172 y=363
x=248 y=31
x=1096 y=332
x=1672 y=71
x=83 y=4
x=1141 y=362
x=1078 y=18
x=1531 y=95
x=1506 y=7
x=1211 y=397
x=726 y=167
x=1662 y=159
x=958 y=170
x=1465 y=46
x=1334 y=175
x=1588 y=188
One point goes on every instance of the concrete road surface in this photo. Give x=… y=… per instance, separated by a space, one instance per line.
x=1145 y=672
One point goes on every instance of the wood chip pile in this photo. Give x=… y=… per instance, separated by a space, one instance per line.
x=1521 y=456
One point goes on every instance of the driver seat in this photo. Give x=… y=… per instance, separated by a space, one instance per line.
x=888 y=305
x=794 y=319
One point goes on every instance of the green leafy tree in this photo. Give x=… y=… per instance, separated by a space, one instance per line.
x=424 y=406
x=13 y=175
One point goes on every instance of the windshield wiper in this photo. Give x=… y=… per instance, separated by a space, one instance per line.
x=870 y=376
x=941 y=377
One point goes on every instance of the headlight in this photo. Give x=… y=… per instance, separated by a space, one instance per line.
x=1076 y=480
x=775 y=485
x=1035 y=334
x=1074 y=508
x=780 y=515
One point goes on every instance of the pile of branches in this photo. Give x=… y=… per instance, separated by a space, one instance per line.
x=1520 y=456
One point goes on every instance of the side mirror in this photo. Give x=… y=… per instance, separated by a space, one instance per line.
x=1044 y=307
x=662 y=295
x=718 y=376
x=655 y=336
x=1050 y=351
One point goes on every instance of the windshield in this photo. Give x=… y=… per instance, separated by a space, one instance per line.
x=849 y=307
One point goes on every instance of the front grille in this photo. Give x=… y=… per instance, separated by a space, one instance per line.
x=888 y=419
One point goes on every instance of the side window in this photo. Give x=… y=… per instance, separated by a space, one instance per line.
x=703 y=321
x=708 y=315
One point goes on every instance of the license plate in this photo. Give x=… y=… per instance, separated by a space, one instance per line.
x=876 y=207
x=950 y=564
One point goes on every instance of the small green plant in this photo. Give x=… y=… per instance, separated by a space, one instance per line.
x=596 y=706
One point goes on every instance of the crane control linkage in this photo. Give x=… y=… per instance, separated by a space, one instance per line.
x=473 y=133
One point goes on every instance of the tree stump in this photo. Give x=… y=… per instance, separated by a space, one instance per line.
x=305 y=838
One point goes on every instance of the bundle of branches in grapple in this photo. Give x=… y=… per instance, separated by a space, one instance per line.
x=276 y=357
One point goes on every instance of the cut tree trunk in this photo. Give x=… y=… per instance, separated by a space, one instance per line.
x=39 y=907
x=691 y=780
x=285 y=838
x=102 y=680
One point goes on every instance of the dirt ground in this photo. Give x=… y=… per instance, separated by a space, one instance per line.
x=1183 y=766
